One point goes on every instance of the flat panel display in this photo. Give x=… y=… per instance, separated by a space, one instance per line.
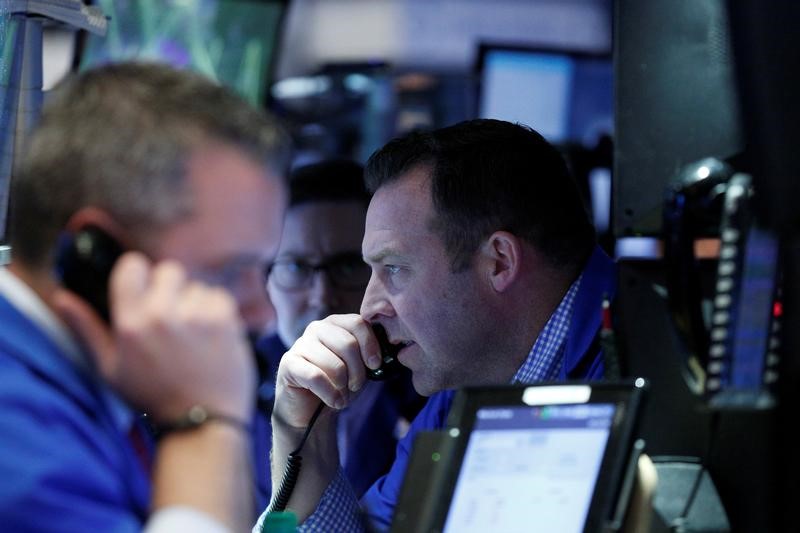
x=566 y=96
x=231 y=41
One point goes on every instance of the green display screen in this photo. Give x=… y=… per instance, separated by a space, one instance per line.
x=231 y=41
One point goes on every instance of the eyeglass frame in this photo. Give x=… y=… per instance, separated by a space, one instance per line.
x=322 y=266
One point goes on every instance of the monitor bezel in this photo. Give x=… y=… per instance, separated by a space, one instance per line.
x=627 y=399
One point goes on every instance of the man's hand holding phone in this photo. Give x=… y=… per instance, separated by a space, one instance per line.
x=328 y=363
x=174 y=343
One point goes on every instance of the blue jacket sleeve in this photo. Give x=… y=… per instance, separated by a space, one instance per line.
x=61 y=470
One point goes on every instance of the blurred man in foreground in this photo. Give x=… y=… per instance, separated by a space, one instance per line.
x=189 y=178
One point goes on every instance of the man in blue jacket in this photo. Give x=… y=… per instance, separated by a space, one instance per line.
x=190 y=178
x=484 y=271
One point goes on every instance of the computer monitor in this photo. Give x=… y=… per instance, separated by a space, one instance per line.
x=231 y=41
x=557 y=453
x=567 y=96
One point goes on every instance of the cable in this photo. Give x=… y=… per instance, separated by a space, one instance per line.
x=292 y=471
x=608 y=342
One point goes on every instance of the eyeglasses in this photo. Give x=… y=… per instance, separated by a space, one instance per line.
x=237 y=276
x=344 y=271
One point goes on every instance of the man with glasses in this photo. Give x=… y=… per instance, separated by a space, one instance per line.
x=318 y=272
x=189 y=179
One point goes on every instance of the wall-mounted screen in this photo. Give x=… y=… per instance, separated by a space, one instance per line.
x=231 y=41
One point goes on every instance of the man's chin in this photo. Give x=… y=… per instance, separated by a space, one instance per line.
x=423 y=386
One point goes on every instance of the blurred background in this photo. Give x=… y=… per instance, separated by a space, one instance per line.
x=678 y=118
x=348 y=75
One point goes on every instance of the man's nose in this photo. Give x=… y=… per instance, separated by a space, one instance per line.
x=375 y=302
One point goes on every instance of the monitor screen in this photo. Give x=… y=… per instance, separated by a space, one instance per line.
x=230 y=41
x=743 y=356
x=754 y=321
x=523 y=462
x=565 y=96
x=560 y=454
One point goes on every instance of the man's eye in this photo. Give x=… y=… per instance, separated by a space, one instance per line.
x=392 y=269
x=295 y=267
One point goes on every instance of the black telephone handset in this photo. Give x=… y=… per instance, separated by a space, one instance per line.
x=692 y=210
x=390 y=365
x=84 y=264
x=732 y=351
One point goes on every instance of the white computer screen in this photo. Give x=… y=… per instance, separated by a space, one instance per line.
x=564 y=96
x=530 y=467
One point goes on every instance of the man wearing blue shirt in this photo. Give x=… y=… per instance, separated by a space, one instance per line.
x=484 y=271
x=190 y=179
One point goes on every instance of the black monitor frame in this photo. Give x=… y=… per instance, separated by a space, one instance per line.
x=437 y=456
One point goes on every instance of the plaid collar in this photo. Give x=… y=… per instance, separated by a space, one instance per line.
x=547 y=354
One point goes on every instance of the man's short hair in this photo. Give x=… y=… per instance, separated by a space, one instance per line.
x=119 y=138
x=333 y=180
x=490 y=175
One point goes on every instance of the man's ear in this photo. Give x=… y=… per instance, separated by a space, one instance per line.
x=96 y=217
x=502 y=252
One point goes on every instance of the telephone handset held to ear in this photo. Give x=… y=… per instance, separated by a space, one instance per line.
x=84 y=264
x=390 y=366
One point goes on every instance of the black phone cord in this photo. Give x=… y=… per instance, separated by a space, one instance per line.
x=292 y=471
